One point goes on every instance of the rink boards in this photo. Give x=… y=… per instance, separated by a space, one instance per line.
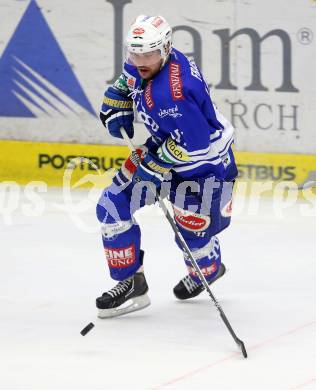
x=79 y=165
x=258 y=64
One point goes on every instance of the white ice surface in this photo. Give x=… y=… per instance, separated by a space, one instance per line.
x=51 y=272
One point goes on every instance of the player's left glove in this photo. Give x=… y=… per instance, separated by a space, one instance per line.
x=152 y=169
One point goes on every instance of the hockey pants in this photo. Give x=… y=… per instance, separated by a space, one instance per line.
x=202 y=209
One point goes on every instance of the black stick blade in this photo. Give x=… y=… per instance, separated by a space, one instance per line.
x=243 y=349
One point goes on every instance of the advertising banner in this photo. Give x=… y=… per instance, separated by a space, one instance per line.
x=86 y=166
x=257 y=56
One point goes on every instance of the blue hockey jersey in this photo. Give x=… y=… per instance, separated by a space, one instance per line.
x=185 y=126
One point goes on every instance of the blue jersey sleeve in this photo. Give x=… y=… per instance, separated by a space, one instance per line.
x=191 y=120
x=197 y=146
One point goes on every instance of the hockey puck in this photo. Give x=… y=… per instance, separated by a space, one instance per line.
x=87 y=329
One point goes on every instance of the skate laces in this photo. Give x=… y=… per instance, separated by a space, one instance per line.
x=189 y=283
x=120 y=288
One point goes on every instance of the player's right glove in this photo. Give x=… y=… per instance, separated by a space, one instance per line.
x=116 y=112
x=152 y=169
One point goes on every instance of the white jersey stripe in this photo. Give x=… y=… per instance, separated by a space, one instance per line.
x=196 y=165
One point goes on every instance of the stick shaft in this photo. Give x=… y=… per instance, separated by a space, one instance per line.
x=188 y=252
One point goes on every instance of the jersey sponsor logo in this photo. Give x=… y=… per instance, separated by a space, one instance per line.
x=173 y=112
x=36 y=79
x=195 y=70
x=206 y=271
x=121 y=257
x=148 y=95
x=131 y=81
x=191 y=221
x=171 y=152
x=175 y=81
x=147 y=119
x=227 y=210
x=176 y=151
x=157 y=21
x=138 y=31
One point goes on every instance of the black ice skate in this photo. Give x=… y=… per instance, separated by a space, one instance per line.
x=127 y=296
x=187 y=288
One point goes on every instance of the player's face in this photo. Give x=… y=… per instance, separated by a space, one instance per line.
x=148 y=72
x=148 y=64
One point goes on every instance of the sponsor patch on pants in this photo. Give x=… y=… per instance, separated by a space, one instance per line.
x=191 y=221
x=121 y=257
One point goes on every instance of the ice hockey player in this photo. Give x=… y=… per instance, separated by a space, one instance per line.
x=190 y=142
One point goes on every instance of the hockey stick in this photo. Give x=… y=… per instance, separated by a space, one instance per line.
x=305 y=186
x=187 y=250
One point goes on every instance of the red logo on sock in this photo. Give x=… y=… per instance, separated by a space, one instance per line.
x=206 y=271
x=120 y=257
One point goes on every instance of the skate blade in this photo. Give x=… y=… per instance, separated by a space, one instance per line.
x=135 y=304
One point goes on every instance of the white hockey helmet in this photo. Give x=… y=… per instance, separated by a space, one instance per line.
x=148 y=39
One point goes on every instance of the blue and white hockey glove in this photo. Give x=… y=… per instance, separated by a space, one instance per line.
x=117 y=111
x=152 y=169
